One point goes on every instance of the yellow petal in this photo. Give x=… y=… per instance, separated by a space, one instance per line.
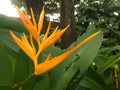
x=26 y=48
x=51 y=39
x=49 y=64
x=47 y=32
x=25 y=41
x=56 y=29
x=54 y=37
x=40 y=23
x=33 y=18
x=29 y=25
x=32 y=43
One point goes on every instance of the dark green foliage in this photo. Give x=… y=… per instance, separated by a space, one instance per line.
x=104 y=14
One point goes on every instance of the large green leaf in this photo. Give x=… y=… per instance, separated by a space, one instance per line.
x=7 y=62
x=23 y=67
x=11 y=24
x=86 y=54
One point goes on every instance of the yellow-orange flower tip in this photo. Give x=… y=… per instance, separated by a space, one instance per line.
x=24 y=45
x=49 y=64
x=31 y=27
x=51 y=39
x=41 y=19
x=33 y=18
x=85 y=41
x=47 y=32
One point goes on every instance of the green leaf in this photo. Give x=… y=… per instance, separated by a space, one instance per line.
x=88 y=53
x=7 y=61
x=42 y=83
x=7 y=40
x=54 y=51
x=23 y=67
x=93 y=81
x=34 y=82
x=58 y=74
x=11 y=24
x=108 y=63
x=70 y=72
x=99 y=60
x=117 y=47
x=30 y=82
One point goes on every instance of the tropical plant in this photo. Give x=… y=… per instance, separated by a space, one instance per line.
x=28 y=63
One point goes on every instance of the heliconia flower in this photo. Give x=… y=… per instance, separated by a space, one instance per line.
x=35 y=30
x=28 y=45
x=48 y=64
